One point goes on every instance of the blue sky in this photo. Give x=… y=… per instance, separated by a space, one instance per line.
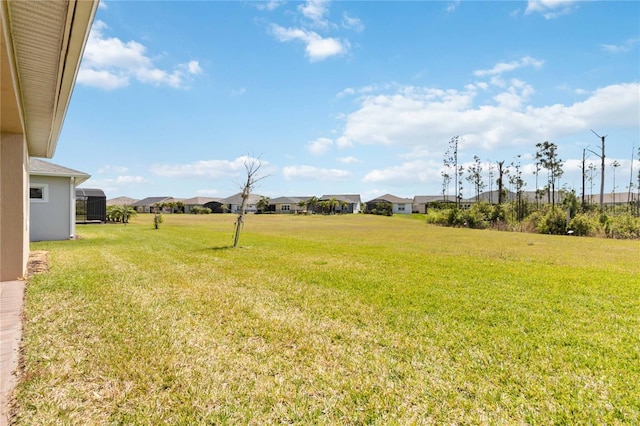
x=348 y=97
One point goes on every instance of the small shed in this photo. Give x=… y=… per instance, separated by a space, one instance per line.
x=91 y=205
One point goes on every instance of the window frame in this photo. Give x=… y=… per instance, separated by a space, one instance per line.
x=45 y=192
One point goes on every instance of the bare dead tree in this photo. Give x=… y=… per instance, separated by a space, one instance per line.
x=252 y=166
x=500 y=183
x=602 y=138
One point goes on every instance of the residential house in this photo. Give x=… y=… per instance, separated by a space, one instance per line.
x=289 y=204
x=52 y=200
x=147 y=205
x=232 y=204
x=349 y=203
x=38 y=70
x=121 y=201
x=215 y=204
x=398 y=205
x=422 y=202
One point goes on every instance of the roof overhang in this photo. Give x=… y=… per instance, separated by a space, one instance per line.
x=78 y=177
x=41 y=45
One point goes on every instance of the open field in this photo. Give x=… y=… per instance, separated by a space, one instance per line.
x=349 y=319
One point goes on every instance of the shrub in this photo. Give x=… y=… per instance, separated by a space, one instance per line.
x=554 y=222
x=584 y=224
x=436 y=216
x=383 y=208
x=623 y=226
x=200 y=210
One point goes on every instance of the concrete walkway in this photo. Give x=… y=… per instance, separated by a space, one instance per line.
x=11 y=303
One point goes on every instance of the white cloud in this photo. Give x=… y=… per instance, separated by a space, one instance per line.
x=102 y=79
x=204 y=168
x=427 y=118
x=620 y=48
x=109 y=63
x=503 y=67
x=348 y=160
x=268 y=5
x=130 y=179
x=117 y=184
x=352 y=22
x=317 y=48
x=102 y=5
x=238 y=92
x=408 y=172
x=551 y=9
x=344 y=142
x=193 y=67
x=315 y=10
x=452 y=6
x=320 y=146
x=109 y=168
x=305 y=172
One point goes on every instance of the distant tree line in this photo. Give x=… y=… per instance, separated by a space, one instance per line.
x=562 y=213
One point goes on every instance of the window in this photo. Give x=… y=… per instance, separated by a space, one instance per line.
x=400 y=207
x=39 y=193
x=285 y=207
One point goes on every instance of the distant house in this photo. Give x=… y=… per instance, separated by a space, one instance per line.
x=52 y=198
x=399 y=205
x=91 y=205
x=288 y=204
x=147 y=205
x=232 y=204
x=422 y=202
x=121 y=201
x=352 y=202
x=215 y=204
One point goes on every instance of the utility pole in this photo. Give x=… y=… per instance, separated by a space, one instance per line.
x=633 y=150
x=601 y=169
x=584 y=172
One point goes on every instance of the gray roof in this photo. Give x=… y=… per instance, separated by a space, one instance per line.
x=39 y=167
x=289 y=200
x=392 y=199
x=121 y=201
x=149 y=201
x=350 y=198
x=237 y=199
x=420 y=199
x=200 y=201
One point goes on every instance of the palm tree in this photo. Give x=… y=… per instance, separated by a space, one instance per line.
x=312 y=203
x=333 y=203
x=127 y=212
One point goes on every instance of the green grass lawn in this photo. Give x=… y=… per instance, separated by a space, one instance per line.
x=351 y=319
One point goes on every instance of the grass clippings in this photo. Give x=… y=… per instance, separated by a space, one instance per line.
x=38 y=262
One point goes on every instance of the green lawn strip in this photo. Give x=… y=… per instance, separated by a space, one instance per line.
x=323 y=320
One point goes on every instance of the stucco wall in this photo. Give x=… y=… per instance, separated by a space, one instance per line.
x=407 y=208
x=51 y=220
x=14 y=206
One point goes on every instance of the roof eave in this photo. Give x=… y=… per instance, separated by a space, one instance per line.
x=44 y=95
x=76 y=36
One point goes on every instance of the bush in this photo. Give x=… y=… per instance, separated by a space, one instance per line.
x=200 y=210
x=436 y=217
x=554 y=222
x=584 y=225
x=623 y=226
x=383 y=209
